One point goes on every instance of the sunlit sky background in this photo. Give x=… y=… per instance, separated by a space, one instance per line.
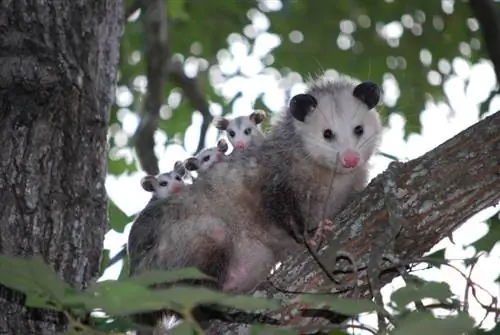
x=440 y=123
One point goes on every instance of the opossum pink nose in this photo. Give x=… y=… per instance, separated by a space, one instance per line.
x=350 y=159
x=240 y=145
x=176 y=187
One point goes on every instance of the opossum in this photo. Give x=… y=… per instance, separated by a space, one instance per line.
x=242 y=130
x=165 y=184
x=207 y=157
x=240 y=219
x=162 y=186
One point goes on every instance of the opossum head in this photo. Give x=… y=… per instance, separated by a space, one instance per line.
x=207 y=157
x=165 y=184
x=242 y=130
x=337 y=122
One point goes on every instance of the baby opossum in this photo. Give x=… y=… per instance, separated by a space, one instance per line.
x=242 y=130
x=207 y=157
x=165 y=184
x=240 y=219
x=162 y=186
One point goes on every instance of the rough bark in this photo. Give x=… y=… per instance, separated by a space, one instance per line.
x=434 y=193
x=58 y=62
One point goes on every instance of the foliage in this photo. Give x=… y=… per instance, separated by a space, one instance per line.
x=118 y=299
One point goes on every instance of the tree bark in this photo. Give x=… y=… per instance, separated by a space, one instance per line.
x=434 y=194
x=58 y=66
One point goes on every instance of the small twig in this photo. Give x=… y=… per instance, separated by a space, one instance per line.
x=194 y=93
x=329 y=328
x=467 y=287
x=487 y=15
x=156 y=52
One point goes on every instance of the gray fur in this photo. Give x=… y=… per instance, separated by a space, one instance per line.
x=248 y=211
x=236 y=128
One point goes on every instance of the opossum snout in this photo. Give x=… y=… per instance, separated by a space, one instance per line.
x=350 y=159
x=176 y=187
x=240 y=145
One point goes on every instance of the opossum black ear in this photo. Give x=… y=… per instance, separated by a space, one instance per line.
x=258 y=116
x=192 y=164
x=179 y=168
x=368 y=92
x=220 y=123
x=301 y=105
x=222 y=145
x=148 y=183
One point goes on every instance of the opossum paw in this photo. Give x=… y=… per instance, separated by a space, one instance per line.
x=324 y=228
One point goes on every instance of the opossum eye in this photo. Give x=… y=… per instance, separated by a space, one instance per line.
x=178 y=178
x=247 y=131
x=163 y=183
x=206 y=158
x=231 y=133
x=358 y=130
x=328 y=134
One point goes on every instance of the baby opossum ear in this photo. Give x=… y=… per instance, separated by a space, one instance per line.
x=301 y=105
x=148 y=183
x=179 y=168
x=192 y=164
x=368 y=92
x=258 y=116
x=221 y=123
x=222 y=145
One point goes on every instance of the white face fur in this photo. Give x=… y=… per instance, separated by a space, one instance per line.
x=341 y=132
x=241 y=131
x=208 y=157
x=163 y=185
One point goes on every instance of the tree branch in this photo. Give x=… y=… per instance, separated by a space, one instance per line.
x=194 y=93
x=487 y=14
x=435 y=194
x=154 y=21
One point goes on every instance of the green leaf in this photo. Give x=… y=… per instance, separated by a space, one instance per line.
x=119 y=166
x=419 y=323
x=104 y=261
x=349 y=307
x=125 y=269
x=32 y=276
x=183 y=328
x=159 y=277
x=491 y=238
x=118 y=298
x=437 y=255
x=177 y=10
x=118 y=219
x=410 y=293
x=189 y=297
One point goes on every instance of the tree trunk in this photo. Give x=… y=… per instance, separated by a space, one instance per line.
x=58 y=63
x=431 y=196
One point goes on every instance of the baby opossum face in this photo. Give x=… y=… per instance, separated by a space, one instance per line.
x=163 y=185
x=207 y=157
x=242 y=130
x=337 y=123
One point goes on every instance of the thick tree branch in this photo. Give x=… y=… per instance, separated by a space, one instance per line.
x=194 y=93
x=488 y=16
x=154 y=21
x=434 y=193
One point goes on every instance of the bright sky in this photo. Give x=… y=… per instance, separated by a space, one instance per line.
x=439 y=124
